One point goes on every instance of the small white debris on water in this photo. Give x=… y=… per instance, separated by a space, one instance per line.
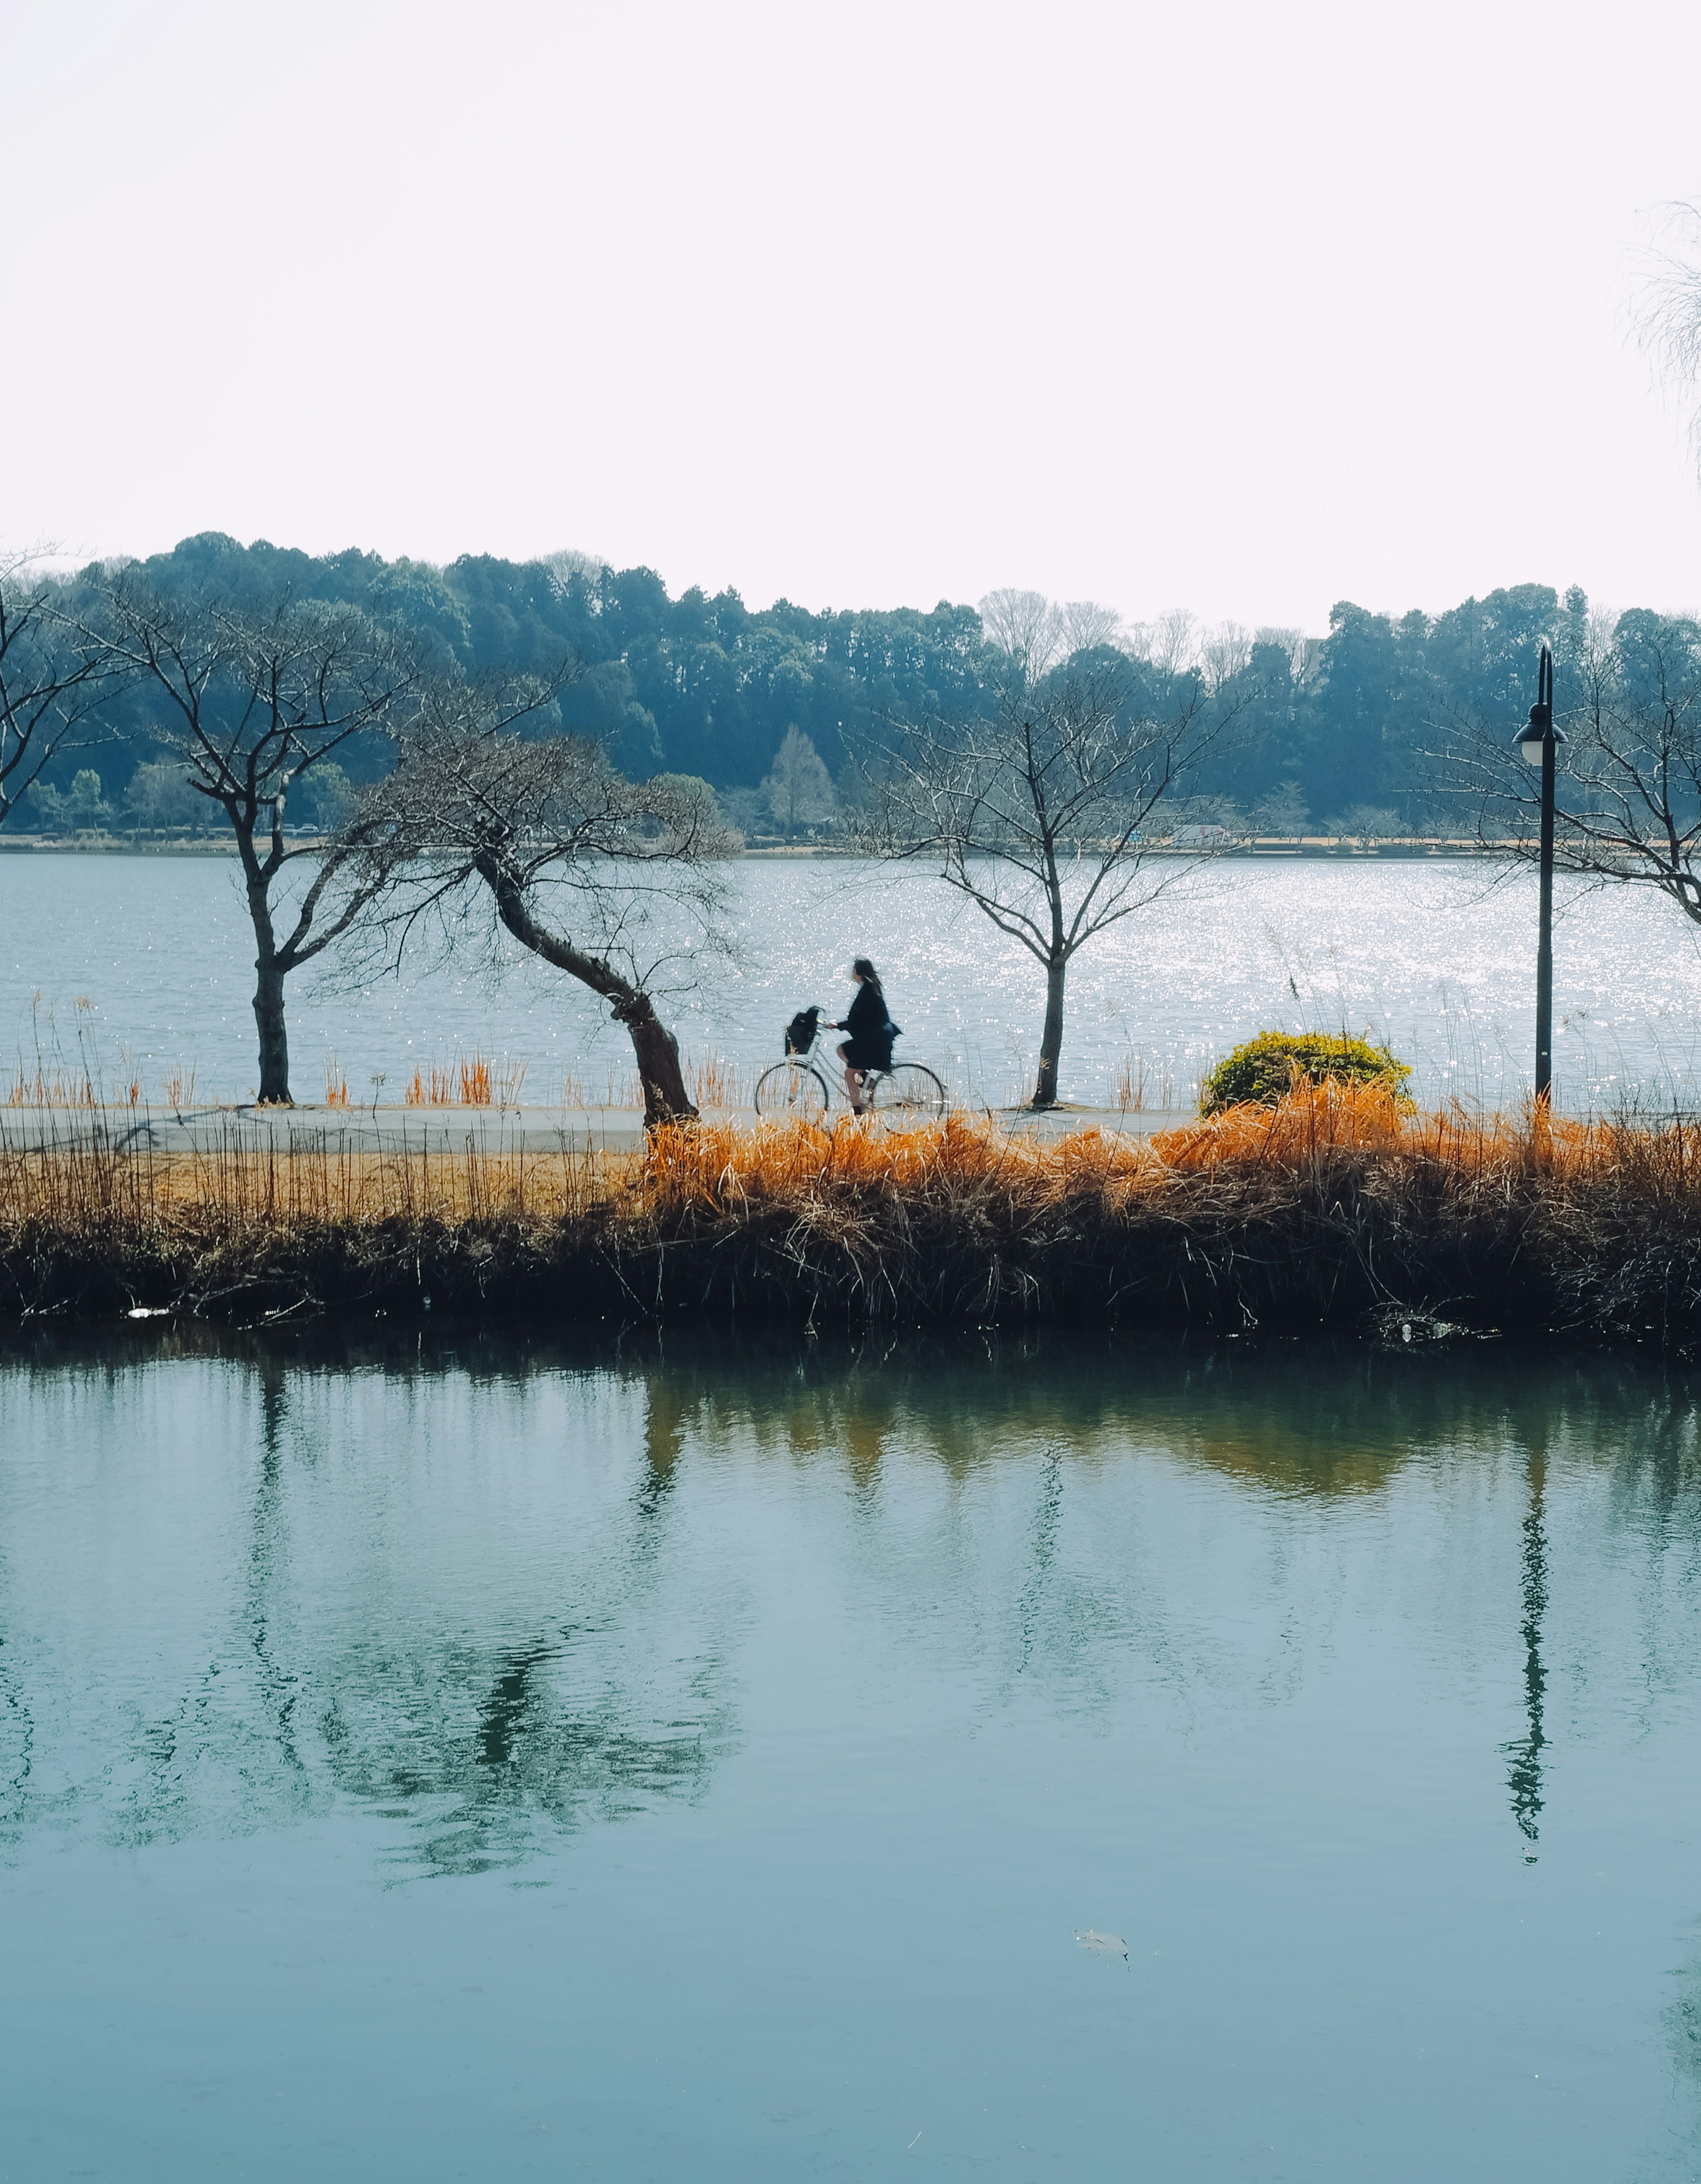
x=1103 y=1945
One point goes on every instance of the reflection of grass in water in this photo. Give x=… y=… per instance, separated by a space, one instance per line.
x=1285 y=1419
x=1268 y=1425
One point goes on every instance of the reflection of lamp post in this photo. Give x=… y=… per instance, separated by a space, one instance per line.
x=1539 y=742
x=1524 y=1777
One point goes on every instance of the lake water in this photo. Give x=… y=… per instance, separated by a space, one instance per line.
x=471 y=1761
x=1426 y=955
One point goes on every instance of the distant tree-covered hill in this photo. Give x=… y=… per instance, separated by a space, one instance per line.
x=1332 y=728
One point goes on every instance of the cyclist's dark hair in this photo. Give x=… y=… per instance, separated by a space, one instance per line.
x=863 y=969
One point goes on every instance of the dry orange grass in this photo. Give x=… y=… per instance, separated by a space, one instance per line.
x=1336 y=1203
x=1634 y=1158
x=470 y=1081
x=1334 y=1208
x=432 y=1087
x=55 y=1087
x=243 y=1182
x=724 y=1167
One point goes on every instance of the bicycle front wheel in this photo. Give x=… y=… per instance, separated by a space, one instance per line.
x=907 y=1089
x=791 y=1089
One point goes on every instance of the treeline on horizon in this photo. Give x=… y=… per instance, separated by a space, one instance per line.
x=1330 y=731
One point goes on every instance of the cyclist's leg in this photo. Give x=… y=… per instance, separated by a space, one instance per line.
x=853 y=1080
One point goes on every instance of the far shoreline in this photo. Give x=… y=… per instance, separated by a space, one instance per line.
x=1432 y=850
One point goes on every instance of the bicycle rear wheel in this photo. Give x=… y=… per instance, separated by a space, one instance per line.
x=791 y=1088
x=907 y=1089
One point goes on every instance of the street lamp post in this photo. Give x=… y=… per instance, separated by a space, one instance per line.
x=1539 y=742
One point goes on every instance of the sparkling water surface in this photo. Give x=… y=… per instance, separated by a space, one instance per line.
x=482 y=1760
x=1432 y=955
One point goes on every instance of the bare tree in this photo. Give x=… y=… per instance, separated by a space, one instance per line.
x=1085 y=626
x=1170 y=644
x=55 y=678
x=250 y=704
x=1299 y=649
x=1224 y=652
x=611 y=882
x=1036 y=813
x=1628 y=805
x=570 y=562
x=1036 y=633
x=1667 y=310
x=1024 y=625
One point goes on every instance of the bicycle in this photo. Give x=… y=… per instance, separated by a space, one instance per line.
x=796 y=1088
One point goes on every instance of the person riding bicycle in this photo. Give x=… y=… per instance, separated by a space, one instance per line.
x=871 y=1029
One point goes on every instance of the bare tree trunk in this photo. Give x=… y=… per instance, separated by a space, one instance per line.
x=1057 y=966
x=1051 y=1039
x=274 y=1040
x=655 y=1047
x=269 y=968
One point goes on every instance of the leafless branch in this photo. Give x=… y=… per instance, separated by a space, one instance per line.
x=590 y=872
x=250 y=702
x=55 y=679
x=1038 y=811
x=1628 y=791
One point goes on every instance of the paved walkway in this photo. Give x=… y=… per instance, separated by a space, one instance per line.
x=444 y=1129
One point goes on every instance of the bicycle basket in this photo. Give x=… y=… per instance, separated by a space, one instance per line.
x=800 y=1032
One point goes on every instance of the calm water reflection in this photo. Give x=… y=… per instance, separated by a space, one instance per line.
x=494 y=1761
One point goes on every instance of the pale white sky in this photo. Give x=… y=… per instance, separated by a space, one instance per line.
x=1244 y=307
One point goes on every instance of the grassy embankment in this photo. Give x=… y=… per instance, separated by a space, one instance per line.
x=1333 y=1209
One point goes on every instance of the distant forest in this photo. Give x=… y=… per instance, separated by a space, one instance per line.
x=1332 y=729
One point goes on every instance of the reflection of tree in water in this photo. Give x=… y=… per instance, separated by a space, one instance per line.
x=1524 y=1776
x=16 y=1731
x=1045 y=1523
x=487 y=1755
x=487 y=1750
x=488 y=1739
x=1681 y=2020
x=486 y=1744
x=665 y=1422
x=17 y=1751
x=267 y=1572
x=1683 y=2023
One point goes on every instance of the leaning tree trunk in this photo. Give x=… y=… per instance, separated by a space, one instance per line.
x=656 y=1050
x=664 y=1097
x=1051 y=1039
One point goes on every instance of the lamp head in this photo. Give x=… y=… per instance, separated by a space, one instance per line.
x=1535 y=737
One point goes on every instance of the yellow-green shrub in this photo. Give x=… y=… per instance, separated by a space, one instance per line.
x=1261 y=1069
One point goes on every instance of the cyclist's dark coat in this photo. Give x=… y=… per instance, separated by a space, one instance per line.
x=871 y=1030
